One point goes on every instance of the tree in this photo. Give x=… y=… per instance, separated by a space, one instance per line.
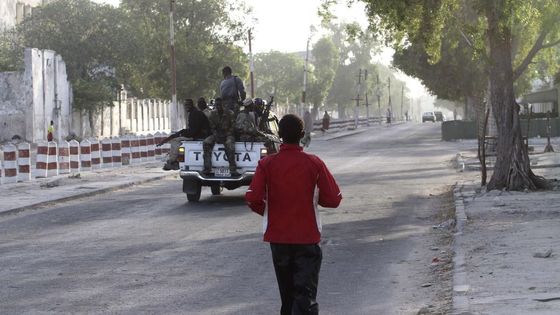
x=205 y=34
x=278 y=74
x=11 y=51
x=325 y=63
x=491 y=36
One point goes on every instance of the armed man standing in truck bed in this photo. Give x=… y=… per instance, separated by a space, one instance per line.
x=286 y=189
x=232 y=90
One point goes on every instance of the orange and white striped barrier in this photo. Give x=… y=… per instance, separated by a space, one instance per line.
x=95 y=154
x=85 y=155
x=116 y=151
x=135 y=149
x=143 y=148
x=10 y=164
x=166 y=147
x=74 y=156
x=151 y=147
x=24 y=162
x=106 y=153
x=157 y=139
x=64 y=158
x=47 y=162
x=125 y=150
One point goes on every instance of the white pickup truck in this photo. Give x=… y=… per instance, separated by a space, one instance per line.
x=247 y=156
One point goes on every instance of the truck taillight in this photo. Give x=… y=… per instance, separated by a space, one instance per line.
x=264 y=152
x=181 y=155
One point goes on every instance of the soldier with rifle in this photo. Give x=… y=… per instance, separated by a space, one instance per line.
x=246 y=126
x=232 y=90
x=222 y=131
x=198 y=128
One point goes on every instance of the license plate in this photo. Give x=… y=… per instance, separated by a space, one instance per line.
x=222 y=172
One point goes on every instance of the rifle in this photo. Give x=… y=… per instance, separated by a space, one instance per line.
x=266 y=112
x=171 y=137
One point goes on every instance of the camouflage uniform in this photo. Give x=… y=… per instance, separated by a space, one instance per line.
x=221 y=127
x=246 y=128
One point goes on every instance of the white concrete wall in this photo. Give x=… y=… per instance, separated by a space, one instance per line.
x=12 y=11
x=12 y=105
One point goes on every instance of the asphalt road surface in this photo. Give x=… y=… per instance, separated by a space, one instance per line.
x=146 y=250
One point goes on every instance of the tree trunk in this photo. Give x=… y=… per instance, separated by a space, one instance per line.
x=512 y=170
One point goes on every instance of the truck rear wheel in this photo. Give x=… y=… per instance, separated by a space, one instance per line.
x=194 y=197
x=216 y=190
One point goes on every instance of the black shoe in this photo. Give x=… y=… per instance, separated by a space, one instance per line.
x=235 y=174
x=171 y=166
x=206 y=172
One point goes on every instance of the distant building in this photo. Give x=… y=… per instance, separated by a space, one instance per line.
x=12 y=12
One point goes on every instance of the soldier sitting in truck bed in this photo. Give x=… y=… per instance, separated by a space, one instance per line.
x=222 y=131
x=198 y=129
x=246 y=126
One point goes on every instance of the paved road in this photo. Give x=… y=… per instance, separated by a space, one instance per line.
x=145 y=250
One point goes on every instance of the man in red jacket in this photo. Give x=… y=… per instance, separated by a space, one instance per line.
x=286 y=189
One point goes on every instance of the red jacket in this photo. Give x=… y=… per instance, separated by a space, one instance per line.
x=286 y=189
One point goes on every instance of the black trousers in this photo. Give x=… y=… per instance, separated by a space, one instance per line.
x=297 y=272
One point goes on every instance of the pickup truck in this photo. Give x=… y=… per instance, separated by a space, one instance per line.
x=247 y=156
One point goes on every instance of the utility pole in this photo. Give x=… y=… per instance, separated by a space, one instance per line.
x=174 y=110
x=390 y=104
x=304 y=77
x=402 y=100
x=357 y=99
x=251 y=67
x=367 y=103
x=378 y=90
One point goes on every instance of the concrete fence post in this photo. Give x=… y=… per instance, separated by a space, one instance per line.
x=135 y=149
x=117 y=152
x=106 y=153
x=24 y=162
x=74 y=156
x=126 y=150
x=47 y=161
x=151 y=147
x=95 y=154
x=143 y=148
x=85 y=155
x=157 y=139
x=166 y=147
x=10 y=164
x=63 y=157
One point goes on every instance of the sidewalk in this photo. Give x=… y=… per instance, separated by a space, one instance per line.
x=26 y=195
x=507 y=246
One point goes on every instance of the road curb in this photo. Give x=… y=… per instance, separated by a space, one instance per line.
x=461 y=305
x=355 y=132
x=85 y=194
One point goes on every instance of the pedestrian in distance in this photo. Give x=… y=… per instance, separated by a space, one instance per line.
x=232 y=90
x=326 y=122
x=389 y=115
x=285 y=190
x=50 y=131
x=198 y=128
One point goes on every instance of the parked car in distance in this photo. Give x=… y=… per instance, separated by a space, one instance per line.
x=428 y=116
x=439 y=116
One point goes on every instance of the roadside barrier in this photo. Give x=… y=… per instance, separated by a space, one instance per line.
x=10 y=164
x=135 y=149
x=166 y=147
x=64 y=158
x=125 y=150
x=157 y=139
x=24 y=162
x=95 y=154
x=74 y=156
x=151 y=147
x=116 y=151
x=85 y=155
x=47 y=162
x=143 y=148
x=106 y=153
